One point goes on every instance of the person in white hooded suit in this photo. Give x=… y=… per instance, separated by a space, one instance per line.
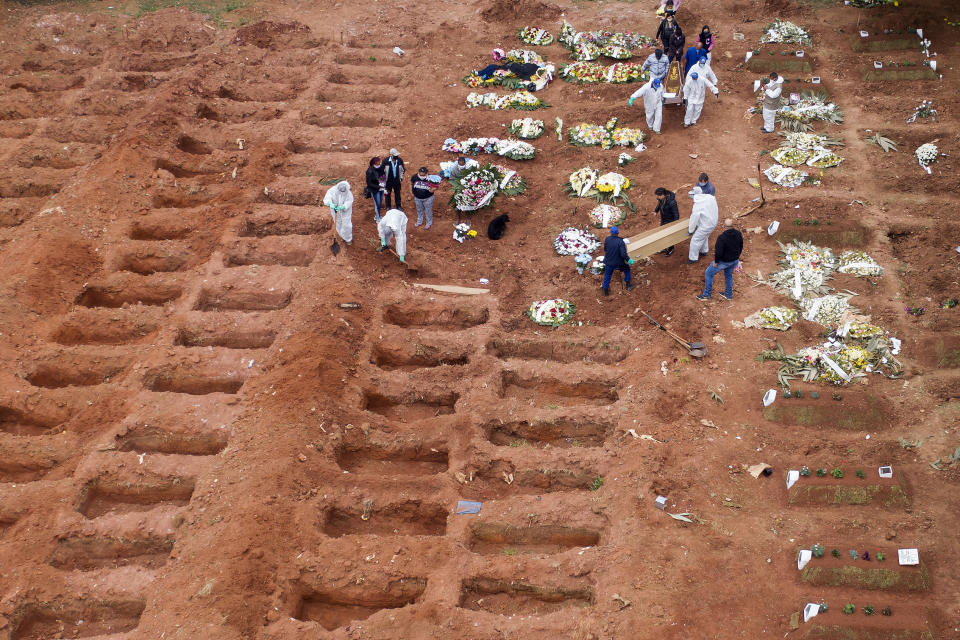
x=703 y=220
x=694 y=92
x=340 y=200
x=394 y=225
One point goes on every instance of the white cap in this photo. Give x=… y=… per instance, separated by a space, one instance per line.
x=394 y=152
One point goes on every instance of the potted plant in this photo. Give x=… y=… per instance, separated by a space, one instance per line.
x=817 y=550
x=869 y=610
x=849 y=608
x=836 y=472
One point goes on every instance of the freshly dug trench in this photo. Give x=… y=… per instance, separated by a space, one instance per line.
x=516 y=597
x=386 y=462
x=412 y=518
x=86 y=553
x=100 y=497
x=155 y=440
x=86 y=330
x=193 y=384
x=228 y=339
x=601 y=351
x=335 y=610
x=114 y=297
x=416 y=355
x=287 y=226
x=74 y=618
x=18 y=423
x=242 y=300
x=54 y=376
x=561 y=432
x=494 y=537
x=434 y=315
x=544 y=392
x=411 y=407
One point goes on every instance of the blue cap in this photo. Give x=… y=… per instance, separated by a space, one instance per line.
x=614 y=231
x=657 y=82
x=694 y=75
x=702 y=60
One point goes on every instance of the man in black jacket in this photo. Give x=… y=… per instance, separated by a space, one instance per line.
x=615 y=257
x=423 y=197
x=667 y=208
x=394 y=170
x=726 y=258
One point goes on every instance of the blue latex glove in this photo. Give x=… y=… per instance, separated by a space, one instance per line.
x=383 y=243
x=631 y=261
x=630 y=102
x=402 y=259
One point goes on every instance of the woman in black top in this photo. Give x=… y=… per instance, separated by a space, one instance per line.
x=675 y=49
x=376 y=185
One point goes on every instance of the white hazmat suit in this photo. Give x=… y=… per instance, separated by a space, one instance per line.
x=703 y=220
x=652 y=104
x=705 y=71
x=340 y=200
x=393 y=224
x=771 y=104
x=694 y=92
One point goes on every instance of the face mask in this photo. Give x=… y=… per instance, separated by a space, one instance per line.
x=702 y=63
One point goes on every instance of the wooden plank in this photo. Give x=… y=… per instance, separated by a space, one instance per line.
x=657 y=239
x=449 y=288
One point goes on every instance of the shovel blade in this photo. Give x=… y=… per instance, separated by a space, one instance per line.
x=698 y=353
x=335 y=247
x=697 y=345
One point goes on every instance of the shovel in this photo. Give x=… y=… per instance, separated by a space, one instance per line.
x=411 y=268
x=695 y=349
x=335 y=247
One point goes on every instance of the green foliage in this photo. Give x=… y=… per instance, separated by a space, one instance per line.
x=884 y=143
x=881 y=556
x=213 y=8
x=821 y=472
x=861 y=474
x=836 y=472
x=849 y=608
x=805 y=471
x=869 y=610
x=817 y=550
x=835 y=553
x=853 y=554
x=597 y=483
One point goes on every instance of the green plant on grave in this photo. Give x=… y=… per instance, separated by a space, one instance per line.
x=861 y=474
x=805 y=471
x=849 y=608
x=597 y=483
x=835 y=553
x=507 y=551
x=853 y=554
x=817 y=550
x=823 y=607
x=869 y=610
x=884 y=143
x=821 y=472
x=881 y=556
x=836 y=472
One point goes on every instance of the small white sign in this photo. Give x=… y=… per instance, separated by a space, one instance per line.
x=864 y=34
x=661 y=502
x=815 y=80
x=756 y=86
x=803 y=558
x=800 y=53
x=877 y=64
x=749 y=55
x=770 y=395
x=908 y=557
x=885 y=472
x=811 y=610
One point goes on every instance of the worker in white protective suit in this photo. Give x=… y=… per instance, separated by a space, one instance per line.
x=704 y=69
x=703 y=220
x=694 y=92
x=393 y=224
x=772 y=88
x=340 y=200
x=652 y=94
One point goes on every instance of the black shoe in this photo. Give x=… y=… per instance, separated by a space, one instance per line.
x=703 y=297
x=668 y=252
x=691 y=261
x=606 y=292
x=630 y=286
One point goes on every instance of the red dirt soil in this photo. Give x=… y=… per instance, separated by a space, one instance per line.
x=196 y=441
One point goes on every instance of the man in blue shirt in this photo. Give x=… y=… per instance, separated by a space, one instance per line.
x=692 y=56
x=615 y=257
x=706 y=186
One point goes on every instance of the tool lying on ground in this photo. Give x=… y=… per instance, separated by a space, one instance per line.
x=695 y=349
x=334 y=248
x=763 y=199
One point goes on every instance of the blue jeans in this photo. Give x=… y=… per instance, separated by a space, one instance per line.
x=712 y=271
x=377 y=202
x=608 y=273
